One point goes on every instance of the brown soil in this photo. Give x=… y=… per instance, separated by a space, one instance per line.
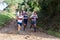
x=9 y=32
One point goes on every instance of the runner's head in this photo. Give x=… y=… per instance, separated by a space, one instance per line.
x=20 y=13
x=34 y=12
x=24 y=12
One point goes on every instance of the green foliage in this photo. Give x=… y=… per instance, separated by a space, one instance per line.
x=57 y=34
x=8 y=9
x=49 y=14
x=29 y=5
x=5 y=17
x=8 y=1
x=33 y=5
x=13 y=2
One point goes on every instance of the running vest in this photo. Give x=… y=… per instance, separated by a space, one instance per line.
x=25 y=16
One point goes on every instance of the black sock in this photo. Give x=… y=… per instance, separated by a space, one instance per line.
x=34 y=29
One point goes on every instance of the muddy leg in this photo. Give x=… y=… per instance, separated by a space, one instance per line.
x=25 y=26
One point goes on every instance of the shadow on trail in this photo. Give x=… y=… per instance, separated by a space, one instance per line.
x=11 y=29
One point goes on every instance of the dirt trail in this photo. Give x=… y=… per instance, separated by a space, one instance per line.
x=10 y=33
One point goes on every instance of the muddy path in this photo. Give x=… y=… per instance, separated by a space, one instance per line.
x=9 y=32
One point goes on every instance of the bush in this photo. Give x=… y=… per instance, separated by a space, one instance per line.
x=57 y=34
x=5 y=17
x=13 y=2
x=8 y=9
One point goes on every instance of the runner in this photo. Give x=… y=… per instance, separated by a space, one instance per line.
x=25 y=20
x=20 y=21
x=33 y=18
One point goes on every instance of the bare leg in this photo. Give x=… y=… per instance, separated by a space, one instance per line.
x=24 y=26
x=19 y=27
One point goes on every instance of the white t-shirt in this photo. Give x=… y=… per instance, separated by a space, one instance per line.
x=17 y=13
x=20 y=19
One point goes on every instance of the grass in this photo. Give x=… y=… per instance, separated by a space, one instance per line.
x=5 y=17
x=54 y=33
